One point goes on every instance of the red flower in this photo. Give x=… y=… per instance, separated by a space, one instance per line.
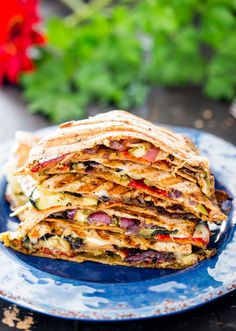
x=18 y=32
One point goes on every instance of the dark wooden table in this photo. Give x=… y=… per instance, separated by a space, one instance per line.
x=178 y=107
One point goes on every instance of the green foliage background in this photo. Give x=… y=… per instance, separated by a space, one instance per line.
x=111 y=53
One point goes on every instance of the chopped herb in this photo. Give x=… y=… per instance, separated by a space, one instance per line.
x=46 y=236
x=90 y=163
x=146 y=232
x=75 y=242
x=77 y=195
x=104 y=198
x=26 y=242
x=202 y=209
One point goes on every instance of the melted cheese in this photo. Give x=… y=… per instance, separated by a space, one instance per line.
x=92 y=241
x=20 y=209
x=55 y=243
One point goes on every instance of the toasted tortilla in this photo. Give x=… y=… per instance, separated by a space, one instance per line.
x=74 y=137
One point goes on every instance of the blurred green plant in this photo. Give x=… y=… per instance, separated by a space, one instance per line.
x=111 y=53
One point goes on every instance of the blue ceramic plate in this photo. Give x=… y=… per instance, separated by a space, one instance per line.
x=91 y=291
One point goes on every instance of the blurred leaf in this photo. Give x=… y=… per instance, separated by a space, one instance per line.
x=221 y=74
x=117 y=53
x=217 y=22
x=59 y=34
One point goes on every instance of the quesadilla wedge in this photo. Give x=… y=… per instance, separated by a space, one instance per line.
x=120 y=133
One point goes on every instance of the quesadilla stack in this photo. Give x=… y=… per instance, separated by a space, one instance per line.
x=116 y=189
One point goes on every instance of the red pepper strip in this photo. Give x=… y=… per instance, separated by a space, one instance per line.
x=139 y=184
x=151 y=154
x=48 y=163
x=131 y=157
x=55 y=252
x=126 y=153
x=142 y=158
x=197 y=241
x=65 y=168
